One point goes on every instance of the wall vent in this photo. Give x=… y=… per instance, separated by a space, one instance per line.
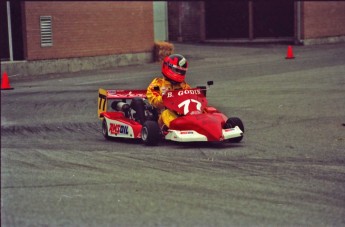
x=46 y=31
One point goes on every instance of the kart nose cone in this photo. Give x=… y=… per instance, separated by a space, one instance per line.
x=204 y=124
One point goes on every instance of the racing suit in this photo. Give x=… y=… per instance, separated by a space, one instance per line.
x=157 y=88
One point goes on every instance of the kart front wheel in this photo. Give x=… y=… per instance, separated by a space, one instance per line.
x=233 y=122
x=150 y=133
x=105 y=129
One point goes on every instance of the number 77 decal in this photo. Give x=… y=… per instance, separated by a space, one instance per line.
x=186 y=105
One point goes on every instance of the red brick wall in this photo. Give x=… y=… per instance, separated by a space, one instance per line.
x=323 y=19
x=83 y=29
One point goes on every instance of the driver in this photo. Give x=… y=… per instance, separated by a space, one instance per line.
x=174 y=70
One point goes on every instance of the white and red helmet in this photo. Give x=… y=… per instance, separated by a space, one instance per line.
x=175 y=67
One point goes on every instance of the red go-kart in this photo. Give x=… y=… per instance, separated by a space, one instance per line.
x=133 y=117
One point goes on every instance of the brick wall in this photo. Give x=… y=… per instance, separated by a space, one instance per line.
x=82 y=29
x=323 y=19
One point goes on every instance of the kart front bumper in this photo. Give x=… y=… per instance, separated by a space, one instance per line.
x=193 y=136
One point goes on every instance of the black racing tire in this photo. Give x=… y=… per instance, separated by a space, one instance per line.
x=233 y=122
x=138 y=106
x=105 y=129
x=150 y=133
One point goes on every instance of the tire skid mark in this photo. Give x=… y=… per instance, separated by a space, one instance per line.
x=42 y=129
x=290 y=168
x=57 y=104
x=41 y=160
x=51 y=93
x=75 y=184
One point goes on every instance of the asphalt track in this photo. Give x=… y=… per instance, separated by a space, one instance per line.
x=57 y=169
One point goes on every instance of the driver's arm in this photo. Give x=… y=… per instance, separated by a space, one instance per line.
x=154 y=95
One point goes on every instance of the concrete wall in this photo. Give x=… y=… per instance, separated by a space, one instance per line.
x=84 y=29
x=66 y=65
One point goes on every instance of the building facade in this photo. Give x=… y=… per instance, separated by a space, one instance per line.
x=64 y=36
x=301 y=22
x=88 y=29
x=40 y=37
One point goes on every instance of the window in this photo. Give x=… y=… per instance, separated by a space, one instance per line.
x=46 y=31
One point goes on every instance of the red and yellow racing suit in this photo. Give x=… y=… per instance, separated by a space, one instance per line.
x=155 y=90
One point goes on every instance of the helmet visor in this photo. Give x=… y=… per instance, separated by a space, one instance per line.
x=178 y=70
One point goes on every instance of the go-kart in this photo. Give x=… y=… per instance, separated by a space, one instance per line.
x=133 y=117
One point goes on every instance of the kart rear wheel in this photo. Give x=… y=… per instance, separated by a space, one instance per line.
x=233 y=122
x=150 y=133
x=105 y=129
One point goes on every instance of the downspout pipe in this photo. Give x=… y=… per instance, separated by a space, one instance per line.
x=9 y=26
x=299 y=23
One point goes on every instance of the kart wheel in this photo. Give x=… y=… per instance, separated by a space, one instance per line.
x=233 y=122
x=138 y=106
x=150 y=133
x=105 y=129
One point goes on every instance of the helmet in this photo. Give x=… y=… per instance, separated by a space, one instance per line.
x=174 y=68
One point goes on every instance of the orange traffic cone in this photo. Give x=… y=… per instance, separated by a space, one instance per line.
x=289 y=53
x=5 y=83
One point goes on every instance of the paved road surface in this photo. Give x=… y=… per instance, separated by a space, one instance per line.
x=57 y=169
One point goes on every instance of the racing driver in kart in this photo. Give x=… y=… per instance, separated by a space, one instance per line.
x=174 y=70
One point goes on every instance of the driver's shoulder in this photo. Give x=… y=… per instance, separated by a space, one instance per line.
x=185 y=85
x=157 y=81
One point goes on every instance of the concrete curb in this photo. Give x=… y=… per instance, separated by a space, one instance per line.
x=67 y=65
x=325 y=40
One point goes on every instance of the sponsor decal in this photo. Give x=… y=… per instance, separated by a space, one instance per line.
x=184 y=92
x=182 y=62
x=187 y=92
x=186 y=132
x=118 y=129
